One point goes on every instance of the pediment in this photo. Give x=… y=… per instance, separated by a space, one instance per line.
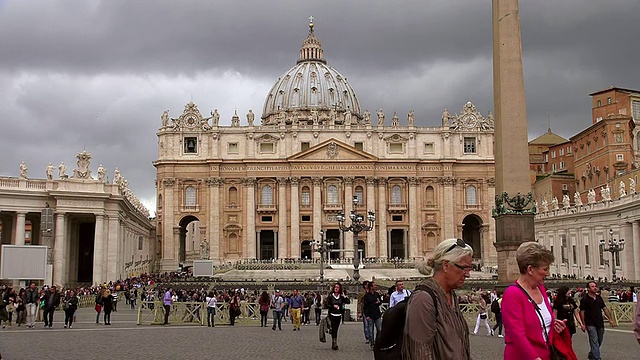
x=332 y=150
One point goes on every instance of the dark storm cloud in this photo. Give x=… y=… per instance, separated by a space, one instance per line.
x=98 y=74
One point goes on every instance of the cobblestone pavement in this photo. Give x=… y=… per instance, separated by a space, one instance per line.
x=125 y=340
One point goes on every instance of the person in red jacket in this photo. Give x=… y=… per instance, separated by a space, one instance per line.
x=525 y=307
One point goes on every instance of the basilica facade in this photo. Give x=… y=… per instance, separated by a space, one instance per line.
x=263 y=189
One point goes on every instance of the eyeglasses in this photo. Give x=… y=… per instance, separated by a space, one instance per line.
x=463 y=268
x=459 y=242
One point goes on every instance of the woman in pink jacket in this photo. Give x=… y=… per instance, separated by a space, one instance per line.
x=526 y=307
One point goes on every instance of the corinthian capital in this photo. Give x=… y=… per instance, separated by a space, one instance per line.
x=317 y=180
x=348 y=180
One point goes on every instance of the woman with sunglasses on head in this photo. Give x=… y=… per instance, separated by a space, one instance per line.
x=435 y=327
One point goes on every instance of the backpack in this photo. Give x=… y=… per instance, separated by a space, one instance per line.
x=388 y=345
x=495 y=306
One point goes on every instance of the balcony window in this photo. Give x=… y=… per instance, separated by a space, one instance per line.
x=471 y=195
x=396 y=195
x=332 y=194
x=306 y=196
x=190 y=196
x=469 y=145
x=266 y=197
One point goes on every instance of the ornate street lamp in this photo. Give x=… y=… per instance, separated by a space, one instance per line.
x=614 y=247
x=358 y=225
x=322 y=246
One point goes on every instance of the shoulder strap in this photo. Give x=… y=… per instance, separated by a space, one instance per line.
x=430 y=292
x=544 y=328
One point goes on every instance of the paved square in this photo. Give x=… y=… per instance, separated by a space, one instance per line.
x=126 y=340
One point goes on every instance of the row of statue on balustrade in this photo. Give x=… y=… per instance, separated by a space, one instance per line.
x=605 y=195
x=469 y=118
x=83 y=172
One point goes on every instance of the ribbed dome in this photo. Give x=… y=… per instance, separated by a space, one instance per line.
x=310 y=85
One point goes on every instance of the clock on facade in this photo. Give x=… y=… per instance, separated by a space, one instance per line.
x=469 y=121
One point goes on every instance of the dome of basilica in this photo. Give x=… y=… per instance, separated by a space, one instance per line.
x=310 y=90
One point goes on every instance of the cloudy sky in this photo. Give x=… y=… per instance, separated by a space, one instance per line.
x=97 y=75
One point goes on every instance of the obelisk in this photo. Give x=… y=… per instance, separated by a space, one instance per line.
x=514 y=210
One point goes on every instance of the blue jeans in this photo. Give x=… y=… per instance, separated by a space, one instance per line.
x=365 y=327
x=370 y=324
x=596 y=335
x=211 y=315
x=277 y=319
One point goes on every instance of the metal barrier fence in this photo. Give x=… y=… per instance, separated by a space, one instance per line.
x=152 y=312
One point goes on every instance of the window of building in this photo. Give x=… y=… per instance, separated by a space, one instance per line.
x=635 y=110
x=561 y=164
x=471 y=195
x=266 y=218
x=575 y=254
x=569 y=150
x=304 y=146
x=609 y=100
x=190 y=196
x=396 y=217
x=306 y=218
x=601 y=251
x=469 y=145
x=233 y=195
x=266 y=196
x=599 y=103
x=359 y=146
x=564 y=187
x=232 y=148
x=562 y=152
x=396 y=148
x=616 y=259
x=619 y=157
x=190 y=145
x=553 y=167
x=553 y=154
x=586 y=254
x=306 y=196
x=430 y=195
x=267 y=148
x=554 y=254
x=429 y=148
x=332 y=194
x=359 y=194
x=546 y=157
x=140 y=242
x=396 y=195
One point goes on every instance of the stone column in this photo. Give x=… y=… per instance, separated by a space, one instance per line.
x=113 y=238
x=169 y=254
x=317 y=207
x=449 y=220
x=215 y=208
x=381 y=219
x=250 y=243
x=282 y=221
x=295 y=219
x=371 y=204
x=635 y=247
x=349 y=245
x=20 y=223
x=58 y=250
x=414 y=216
x=511 y=137
x=98 y=248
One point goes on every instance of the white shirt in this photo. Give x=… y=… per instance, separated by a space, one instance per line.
x=211 y=301
x=546 y=316
x=396 y=297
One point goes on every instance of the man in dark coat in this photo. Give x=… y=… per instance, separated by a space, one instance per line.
x=51 y=303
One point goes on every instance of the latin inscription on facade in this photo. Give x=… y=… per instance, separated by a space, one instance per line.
x=395 y=167
x=267 y=168
x=332 y=167
x=430 y=168
x=80 y=203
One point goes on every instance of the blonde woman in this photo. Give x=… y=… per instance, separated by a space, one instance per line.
x=435 y=327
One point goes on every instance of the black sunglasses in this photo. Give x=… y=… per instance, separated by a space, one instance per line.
x=459 y=242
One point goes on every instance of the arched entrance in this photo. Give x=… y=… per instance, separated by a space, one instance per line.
x=471 y=226
x=305 y=250
x=267 y=245
x=186 y=235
